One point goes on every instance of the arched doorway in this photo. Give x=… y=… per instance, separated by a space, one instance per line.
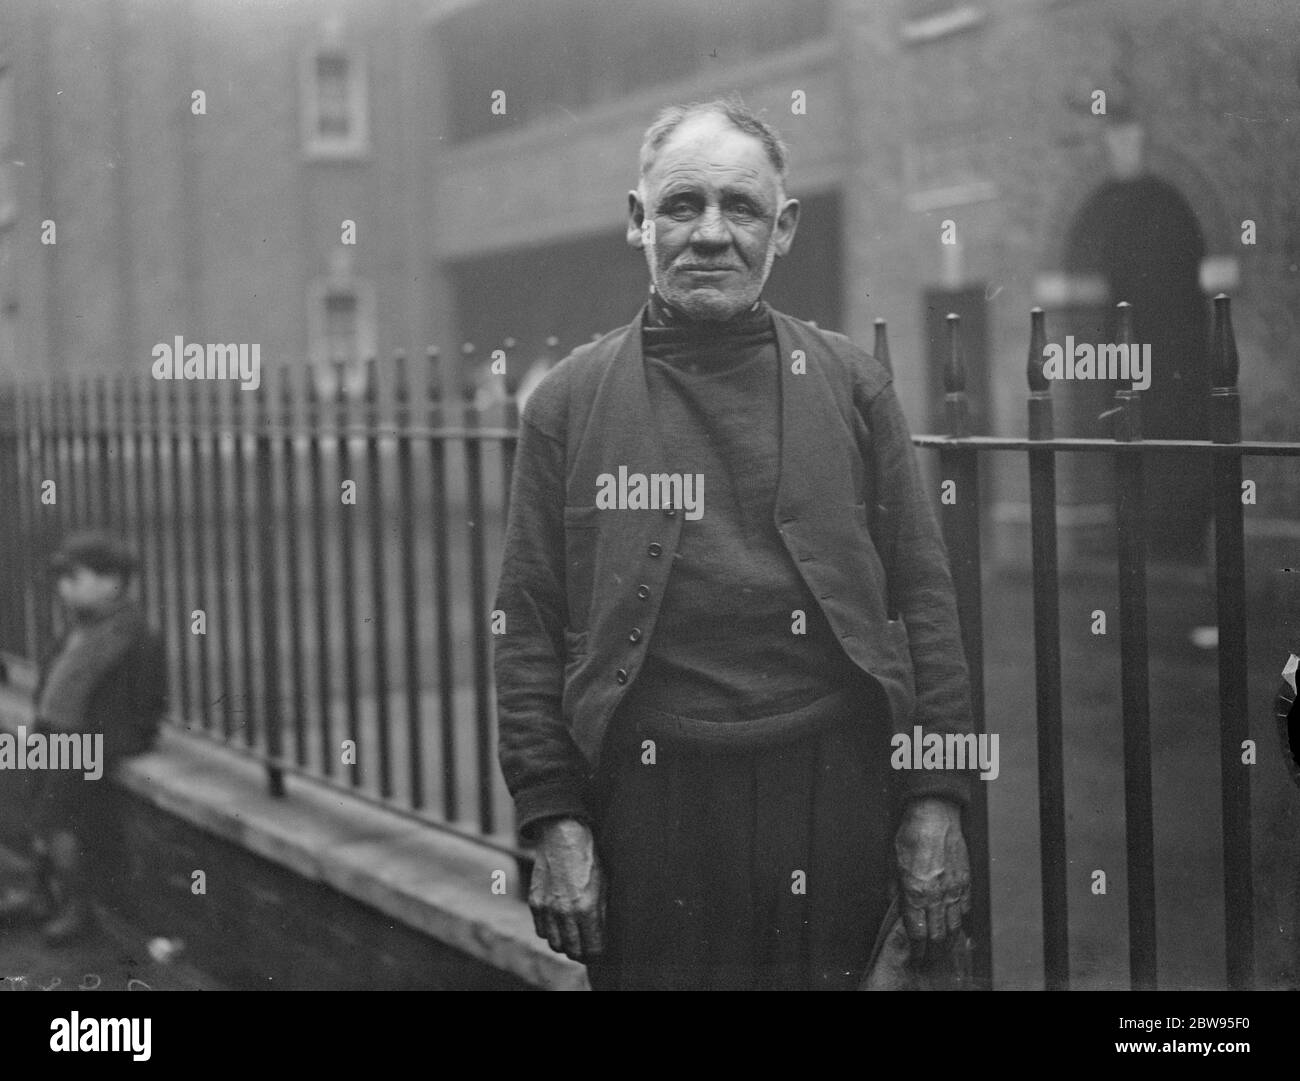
x=1143 y=239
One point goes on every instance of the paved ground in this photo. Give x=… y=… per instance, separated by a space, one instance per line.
x=115 y=959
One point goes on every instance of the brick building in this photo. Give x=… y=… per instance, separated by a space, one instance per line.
x=483 y=151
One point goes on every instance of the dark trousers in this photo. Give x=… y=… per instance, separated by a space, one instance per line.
x=740 y=867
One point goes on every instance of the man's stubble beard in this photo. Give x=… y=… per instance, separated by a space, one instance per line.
x=703 y=310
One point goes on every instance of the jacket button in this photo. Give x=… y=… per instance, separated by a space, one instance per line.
x=621 y=675
x=643 y=591
x=655 y=548
x=635 y=636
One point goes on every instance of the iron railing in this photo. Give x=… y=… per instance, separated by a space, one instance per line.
x=242 y=514
x=319 y=568
x=959 y=454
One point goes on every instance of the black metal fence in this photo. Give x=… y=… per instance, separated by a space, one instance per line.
x=959 y=454
x=317 y=559
x=272 y=536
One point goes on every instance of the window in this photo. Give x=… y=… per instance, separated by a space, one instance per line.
x=335 y=114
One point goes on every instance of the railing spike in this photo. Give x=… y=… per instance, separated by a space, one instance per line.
x=881 y=346
x=1224 y=363
x=1038 y=381
x=954 y=382
x=401 y=388
x=954 y=371
x=340 y=395
x=1126 y=416
x=1124 y=323
x=468 y=383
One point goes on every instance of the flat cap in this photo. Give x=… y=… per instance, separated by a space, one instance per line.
x=101 y=552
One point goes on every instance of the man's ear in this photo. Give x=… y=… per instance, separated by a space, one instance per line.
x=635 y=220
x=787 y=220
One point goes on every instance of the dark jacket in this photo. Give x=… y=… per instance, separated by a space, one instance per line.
x=128 y=703
x=580 y=587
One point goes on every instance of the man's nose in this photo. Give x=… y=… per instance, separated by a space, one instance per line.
x=711 y=230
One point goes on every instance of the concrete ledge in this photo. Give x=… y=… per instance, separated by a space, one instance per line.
x=431 y=881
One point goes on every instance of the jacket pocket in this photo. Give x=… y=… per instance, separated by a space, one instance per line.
x=581 y=533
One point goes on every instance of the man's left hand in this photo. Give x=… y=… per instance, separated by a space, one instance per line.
x=934 y=871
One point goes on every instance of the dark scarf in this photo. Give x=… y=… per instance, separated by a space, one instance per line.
x=94 y=645
x=668 y=334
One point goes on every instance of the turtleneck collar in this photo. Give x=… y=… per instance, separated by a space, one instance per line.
x=662 y=315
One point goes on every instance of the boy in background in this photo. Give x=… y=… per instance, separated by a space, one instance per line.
x=106 y=675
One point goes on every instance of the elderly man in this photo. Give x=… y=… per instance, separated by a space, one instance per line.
x=698 y=682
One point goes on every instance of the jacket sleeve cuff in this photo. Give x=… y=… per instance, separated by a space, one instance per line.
x=954 y=785
x=558 y=799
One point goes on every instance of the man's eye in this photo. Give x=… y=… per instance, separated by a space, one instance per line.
x=680 y=211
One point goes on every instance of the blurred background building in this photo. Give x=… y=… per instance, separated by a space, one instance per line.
x=483 y=151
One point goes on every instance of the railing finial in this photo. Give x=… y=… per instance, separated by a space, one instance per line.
x=1224 y=363
x=468 y=383
x=1038 y=381
x=954 y=382
x=954 y=371
x=881 y=346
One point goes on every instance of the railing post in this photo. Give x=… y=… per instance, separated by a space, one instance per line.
x=182 y=702
x=198 y=393
x=961 y=529
x=135 y=392
x=348 y=599
x=111 y=507
x=1131 y=535
x=1047 y=668
x=243 y=560
x=272 y=701
x=314 y=424
x=10 y=538
x=438 y=396
x=293 y=562
x=410 y=583
x=221 y=516
x=378 y=577
x=1230 y=590
x=158 y=490
x=880 y=350
x=485 y=763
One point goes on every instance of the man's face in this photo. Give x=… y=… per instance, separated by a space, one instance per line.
x=711 y=216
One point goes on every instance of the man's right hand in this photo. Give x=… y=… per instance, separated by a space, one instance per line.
x=567 y=894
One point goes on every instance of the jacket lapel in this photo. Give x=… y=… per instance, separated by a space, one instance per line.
x=812 y=436
x=629 y=430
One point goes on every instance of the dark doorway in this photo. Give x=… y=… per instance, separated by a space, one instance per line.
x=1144 y=240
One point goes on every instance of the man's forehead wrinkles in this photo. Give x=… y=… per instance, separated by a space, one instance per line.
x=695 y=175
